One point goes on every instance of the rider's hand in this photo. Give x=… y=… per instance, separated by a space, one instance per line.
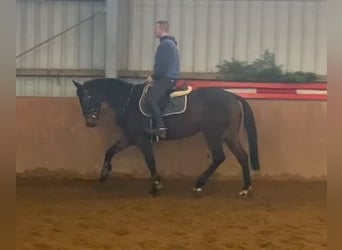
x=149 y=80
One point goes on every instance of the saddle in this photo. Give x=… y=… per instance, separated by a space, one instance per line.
x=175 y=101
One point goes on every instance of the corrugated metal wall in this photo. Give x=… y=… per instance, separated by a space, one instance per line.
x=208 y=31
x=79 y=48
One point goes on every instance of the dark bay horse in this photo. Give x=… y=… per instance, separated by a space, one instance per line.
x=214 y=112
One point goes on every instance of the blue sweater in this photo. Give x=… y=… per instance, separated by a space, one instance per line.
x=166 y=60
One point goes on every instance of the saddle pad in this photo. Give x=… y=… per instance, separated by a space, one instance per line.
x=176 y=105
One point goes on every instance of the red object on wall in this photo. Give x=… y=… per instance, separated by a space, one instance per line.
x=271 y=91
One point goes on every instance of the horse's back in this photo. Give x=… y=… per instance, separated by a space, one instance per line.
x=213 y=97
x=214 y=106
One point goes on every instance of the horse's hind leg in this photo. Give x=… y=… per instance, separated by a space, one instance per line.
x=242 y=157
x=120 y=145
x=214 y=140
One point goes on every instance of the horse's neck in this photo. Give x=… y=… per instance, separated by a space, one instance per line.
x=130 y=96
x=135 y=97
x=116 y=102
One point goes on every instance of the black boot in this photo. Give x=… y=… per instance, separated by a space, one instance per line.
x=160 y=130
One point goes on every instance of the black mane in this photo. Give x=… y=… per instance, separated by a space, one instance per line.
x=106 y=85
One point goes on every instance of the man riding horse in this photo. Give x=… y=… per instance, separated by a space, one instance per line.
x=166 y=71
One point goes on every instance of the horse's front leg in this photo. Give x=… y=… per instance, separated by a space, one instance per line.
x=120 y=145
x=146 y=147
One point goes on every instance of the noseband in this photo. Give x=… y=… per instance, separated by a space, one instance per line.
x=89 y=111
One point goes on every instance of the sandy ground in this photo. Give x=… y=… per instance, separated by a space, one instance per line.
x=78 y=214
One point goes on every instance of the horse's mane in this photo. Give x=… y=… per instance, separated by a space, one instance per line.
x=106 y=84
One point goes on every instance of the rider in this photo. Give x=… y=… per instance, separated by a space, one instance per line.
x=165 y=74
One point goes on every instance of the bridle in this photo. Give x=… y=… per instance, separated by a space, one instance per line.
x=89 y=111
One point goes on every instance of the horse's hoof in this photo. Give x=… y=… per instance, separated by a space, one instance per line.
x=158 y=185
x=245 y=192
x=197 y=191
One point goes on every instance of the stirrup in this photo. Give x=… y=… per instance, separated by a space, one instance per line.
x=155 y=130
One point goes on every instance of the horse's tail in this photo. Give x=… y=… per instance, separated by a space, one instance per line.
x=249 y=123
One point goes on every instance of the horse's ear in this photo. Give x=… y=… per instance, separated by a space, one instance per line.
x=77 y=84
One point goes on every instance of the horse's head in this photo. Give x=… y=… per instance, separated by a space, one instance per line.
x=90 y=104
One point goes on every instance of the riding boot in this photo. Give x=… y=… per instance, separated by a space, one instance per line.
x=160 y=128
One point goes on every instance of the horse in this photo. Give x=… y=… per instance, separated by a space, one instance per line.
x=215 y=112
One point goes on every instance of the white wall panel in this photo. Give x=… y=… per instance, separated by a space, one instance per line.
x=321 y=39
x=214 y=30
x=228 y=30
x=134 y=42
x=147 y=38
x=200 y=36
x=282 y=32
x=186 y=40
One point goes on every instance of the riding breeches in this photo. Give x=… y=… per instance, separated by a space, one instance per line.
x=158 y=90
